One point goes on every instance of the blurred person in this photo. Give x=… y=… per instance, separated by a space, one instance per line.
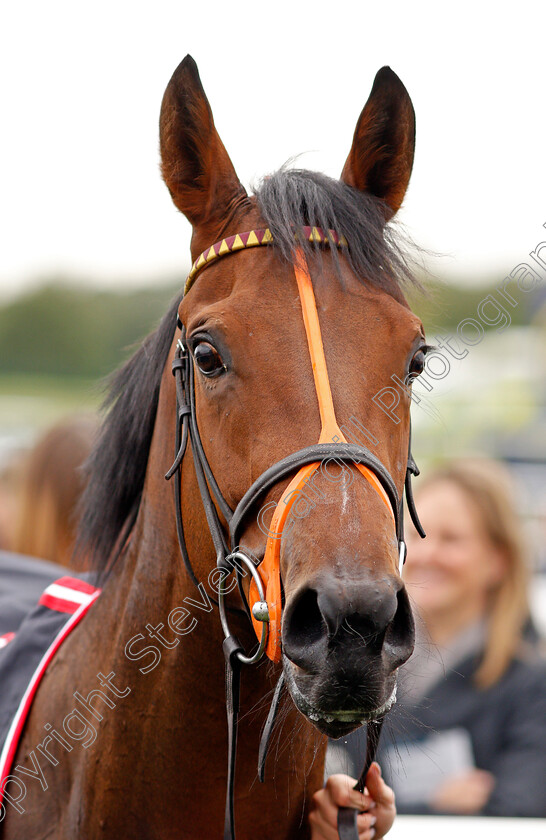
x=52 y=482
x=22 y=581
x=10 y=477
x=468 y=734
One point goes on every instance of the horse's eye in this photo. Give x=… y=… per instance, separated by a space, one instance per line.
x=417 y=364
x=208 y=359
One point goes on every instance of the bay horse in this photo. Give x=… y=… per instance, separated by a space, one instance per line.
x=144 y=670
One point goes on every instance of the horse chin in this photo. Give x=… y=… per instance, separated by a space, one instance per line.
x=335 y=723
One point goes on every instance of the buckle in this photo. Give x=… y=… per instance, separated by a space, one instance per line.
x=260 y=614
x=180 y=360
x=402 y=556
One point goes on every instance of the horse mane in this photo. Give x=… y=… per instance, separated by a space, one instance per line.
x=116 y=469
x=379 y=253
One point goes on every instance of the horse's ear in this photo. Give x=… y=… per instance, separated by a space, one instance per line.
x=195 y=165
x=381 y=157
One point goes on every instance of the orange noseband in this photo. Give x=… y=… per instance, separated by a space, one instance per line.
x=270 y=569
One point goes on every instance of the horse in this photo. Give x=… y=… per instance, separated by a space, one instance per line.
x=126 y=736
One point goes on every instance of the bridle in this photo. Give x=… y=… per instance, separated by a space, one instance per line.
x=265 y=594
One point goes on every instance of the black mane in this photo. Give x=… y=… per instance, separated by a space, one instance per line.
x=116 y=468
x=292 y=198
x=117 y=465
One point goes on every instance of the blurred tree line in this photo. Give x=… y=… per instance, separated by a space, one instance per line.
x=63 y=330
x=60 y=329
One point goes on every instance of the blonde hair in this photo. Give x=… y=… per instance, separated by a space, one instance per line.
x=51 y=488
x=489 y=488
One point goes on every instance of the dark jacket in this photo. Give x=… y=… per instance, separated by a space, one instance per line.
x=507 y=728
x=22 y=581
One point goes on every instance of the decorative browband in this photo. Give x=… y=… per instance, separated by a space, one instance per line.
x=251 y=238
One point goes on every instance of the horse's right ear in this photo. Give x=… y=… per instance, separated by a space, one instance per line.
x=194 y=162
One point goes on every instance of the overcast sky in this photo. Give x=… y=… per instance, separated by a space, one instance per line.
x=81 y=86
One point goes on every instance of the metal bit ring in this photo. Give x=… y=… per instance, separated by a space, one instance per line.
x=247 y=562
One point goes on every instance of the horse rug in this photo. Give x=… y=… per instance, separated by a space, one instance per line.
x=26 y=652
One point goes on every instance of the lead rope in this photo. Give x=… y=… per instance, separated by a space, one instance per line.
x=231 y=647
x=347 y=817
x=347 y=827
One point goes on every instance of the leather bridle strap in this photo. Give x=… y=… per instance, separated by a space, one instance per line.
x=232 y=648
x=317 y=453
x=186 y=428
x=254 y=238
x=306 y=461
x=331 y=445
x=330 y=432
x=311 y=456
x=347 y=826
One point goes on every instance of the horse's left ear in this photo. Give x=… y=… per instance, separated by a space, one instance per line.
x=381 y=157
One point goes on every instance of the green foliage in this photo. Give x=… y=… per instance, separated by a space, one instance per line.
x=69 y=331
x=444 y=305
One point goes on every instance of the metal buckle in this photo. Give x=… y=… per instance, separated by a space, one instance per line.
x=261 y=612
x=402 y=556
x=180 y=361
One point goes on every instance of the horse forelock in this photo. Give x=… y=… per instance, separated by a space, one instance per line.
x=381 y=254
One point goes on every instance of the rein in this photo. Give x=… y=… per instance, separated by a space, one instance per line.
x=265 y=594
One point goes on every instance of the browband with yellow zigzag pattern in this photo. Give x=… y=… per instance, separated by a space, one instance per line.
x=251 y=238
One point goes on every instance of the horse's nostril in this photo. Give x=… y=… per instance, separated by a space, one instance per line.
x=400 y=634
x=307 y=620
x=348 y=623
x=304 y=629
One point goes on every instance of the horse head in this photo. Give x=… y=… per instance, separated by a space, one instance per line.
x=346 y=622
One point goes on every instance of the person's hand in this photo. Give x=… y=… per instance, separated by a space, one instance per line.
x=377 y=802
x=465 y=794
